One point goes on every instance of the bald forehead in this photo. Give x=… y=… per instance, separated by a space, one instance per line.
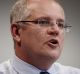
x=46 y=7
x=39 y=3
x=43 y=4
x=32 y=1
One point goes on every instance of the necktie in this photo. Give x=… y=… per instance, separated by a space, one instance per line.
x=44 y=72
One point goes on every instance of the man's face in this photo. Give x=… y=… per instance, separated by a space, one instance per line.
x=42 y=41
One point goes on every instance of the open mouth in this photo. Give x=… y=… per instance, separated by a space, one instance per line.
x=53 y=43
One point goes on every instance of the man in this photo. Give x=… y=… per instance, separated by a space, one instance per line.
x=37 y=28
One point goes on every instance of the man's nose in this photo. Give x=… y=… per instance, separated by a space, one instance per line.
x=54 y=30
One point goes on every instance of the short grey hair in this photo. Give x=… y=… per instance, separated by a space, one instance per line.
x=17 y=11
x=22 y=9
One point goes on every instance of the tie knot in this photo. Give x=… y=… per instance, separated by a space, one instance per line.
x=44 y=72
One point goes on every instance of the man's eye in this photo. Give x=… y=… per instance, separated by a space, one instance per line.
x=61 y=25
x=42 y=22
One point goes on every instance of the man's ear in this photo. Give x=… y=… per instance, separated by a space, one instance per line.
x=15 y=31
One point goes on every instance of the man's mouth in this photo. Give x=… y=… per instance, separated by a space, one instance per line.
x=53 y=43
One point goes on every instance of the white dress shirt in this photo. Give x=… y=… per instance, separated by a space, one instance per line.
x=17 y=66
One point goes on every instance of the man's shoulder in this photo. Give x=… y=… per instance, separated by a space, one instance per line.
x=67 y=69
x=4 y=67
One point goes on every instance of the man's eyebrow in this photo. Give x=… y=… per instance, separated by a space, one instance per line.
x=43 y=17
x=61 y=20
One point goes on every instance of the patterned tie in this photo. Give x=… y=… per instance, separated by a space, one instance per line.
x=44 y=72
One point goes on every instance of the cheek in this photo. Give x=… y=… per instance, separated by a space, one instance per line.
x=32 y=41
x=38 y=36
x=61 y=39
x=33 y=38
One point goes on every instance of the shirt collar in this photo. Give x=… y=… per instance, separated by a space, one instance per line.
x=22 y=67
